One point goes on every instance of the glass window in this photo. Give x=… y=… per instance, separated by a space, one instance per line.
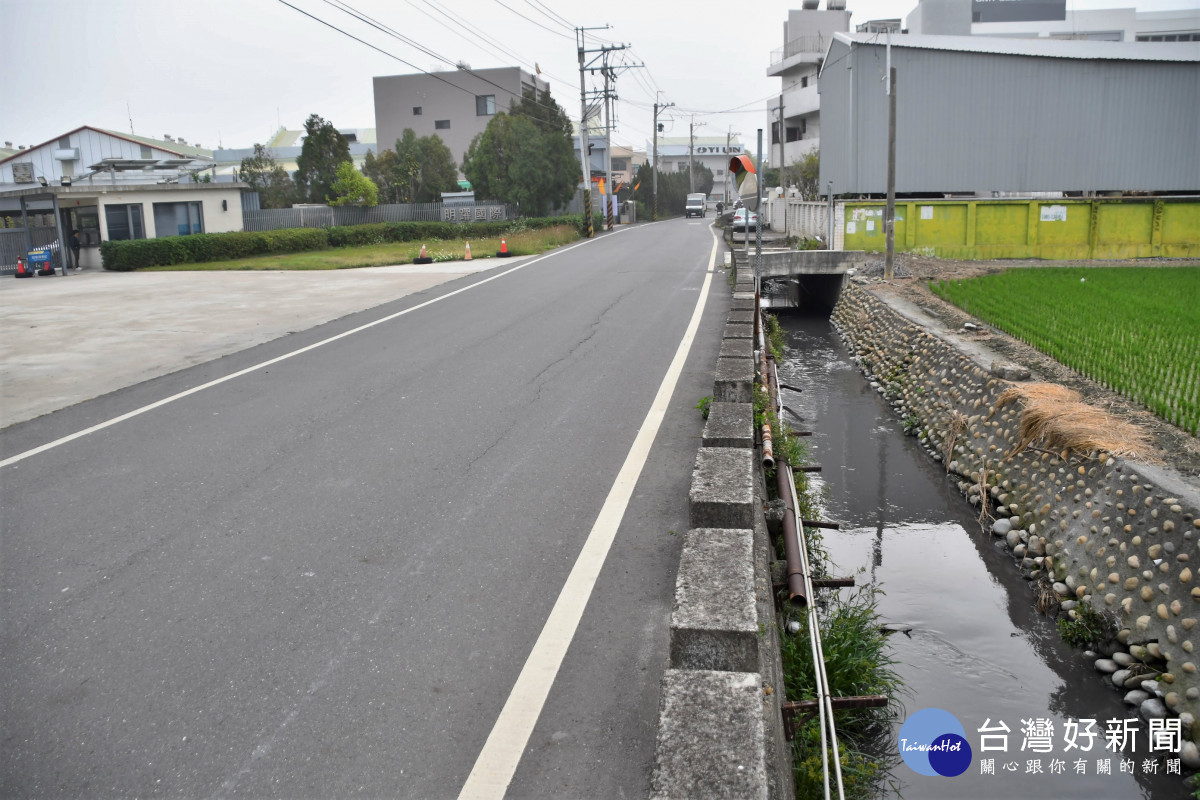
x=177 y=219
x=442 y=124
x=416 y=111
x=485 y=105
x=146 y=153
x=124 y=221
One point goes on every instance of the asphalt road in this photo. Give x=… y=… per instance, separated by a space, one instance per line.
x=323 y=577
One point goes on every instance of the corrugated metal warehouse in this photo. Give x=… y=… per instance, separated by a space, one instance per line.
x=980 y=115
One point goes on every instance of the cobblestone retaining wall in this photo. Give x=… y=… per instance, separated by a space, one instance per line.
x=1118 y=535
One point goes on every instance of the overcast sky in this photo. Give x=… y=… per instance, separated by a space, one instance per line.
x=230 y=72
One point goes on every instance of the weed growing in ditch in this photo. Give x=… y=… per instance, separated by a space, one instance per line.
x=703 y=405
x=775 y=336
x=1090 y=628
x=858 y=663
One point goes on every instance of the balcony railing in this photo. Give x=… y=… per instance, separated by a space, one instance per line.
x=803 y=44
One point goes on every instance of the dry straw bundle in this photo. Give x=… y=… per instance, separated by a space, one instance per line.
x=1057 y=418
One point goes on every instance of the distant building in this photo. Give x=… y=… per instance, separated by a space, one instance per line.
x=109 y=185
x=455 y=106
x=713 y=152
x=285 y=147
x=625 y=163
x=1032 y=19
x=1055 y=116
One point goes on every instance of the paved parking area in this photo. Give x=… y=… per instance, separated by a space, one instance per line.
x=66 y=340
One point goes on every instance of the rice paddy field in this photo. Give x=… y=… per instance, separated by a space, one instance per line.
x=1136 y=330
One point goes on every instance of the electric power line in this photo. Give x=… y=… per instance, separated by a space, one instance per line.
x=410 y=64
x=533 y=21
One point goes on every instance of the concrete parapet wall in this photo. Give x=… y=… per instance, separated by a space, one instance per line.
x=714 y=624
x=722 y=493
x=734 y=381
x=1118 y=535
x=710 y=737
x=720 y=728
x=810 y=262
x=729 y=425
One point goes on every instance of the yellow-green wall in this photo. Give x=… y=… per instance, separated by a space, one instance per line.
x=1052 y=229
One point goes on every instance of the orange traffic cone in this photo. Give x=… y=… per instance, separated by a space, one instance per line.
x=422 y=259
x=503 y=250
x=468 y=258
x=22 y=270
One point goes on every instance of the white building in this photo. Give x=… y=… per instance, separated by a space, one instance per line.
x=675 y=153
x=109 y=185
x=285 y=147
x=806 y=36
x=1050 y=19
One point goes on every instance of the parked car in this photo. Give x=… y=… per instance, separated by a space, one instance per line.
x=740 y=221
x=696 y=205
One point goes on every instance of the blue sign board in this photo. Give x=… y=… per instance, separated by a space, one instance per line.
x=41 y=256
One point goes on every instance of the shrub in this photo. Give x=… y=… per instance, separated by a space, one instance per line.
x=122 y=256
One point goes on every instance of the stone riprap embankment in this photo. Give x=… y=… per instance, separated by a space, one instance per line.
x=720 y=729
x=1086 y=528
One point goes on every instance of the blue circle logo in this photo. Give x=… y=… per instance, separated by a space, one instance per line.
x=933 y=742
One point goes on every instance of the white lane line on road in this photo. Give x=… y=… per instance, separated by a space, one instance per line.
x=166 y=400
x=497 y=762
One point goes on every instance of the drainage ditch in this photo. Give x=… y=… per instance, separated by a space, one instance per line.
x=969 y=640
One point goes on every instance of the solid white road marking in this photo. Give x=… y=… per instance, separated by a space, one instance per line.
x=497 y=762
x=139 y=411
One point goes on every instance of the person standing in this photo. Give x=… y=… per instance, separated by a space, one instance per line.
x=75 y=247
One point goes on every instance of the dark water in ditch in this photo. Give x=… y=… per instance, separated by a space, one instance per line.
x=978 y=648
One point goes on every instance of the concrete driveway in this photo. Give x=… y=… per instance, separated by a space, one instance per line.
x=66 y=340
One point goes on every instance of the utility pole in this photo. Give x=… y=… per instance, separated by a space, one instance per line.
x=758 y=224
x=654 y=175
x=585 y=156
x=889 y=217
x=609 y=75
x=782 y=166
x=691 y=150
x=728 y=138
x=608 y=196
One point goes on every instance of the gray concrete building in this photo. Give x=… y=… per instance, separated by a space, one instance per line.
x=454 y=105
x=978 y=115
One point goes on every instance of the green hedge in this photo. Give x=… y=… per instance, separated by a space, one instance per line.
x=123 y=256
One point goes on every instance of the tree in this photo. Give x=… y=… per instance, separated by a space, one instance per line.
x=673 y=189
x=438 y=173
x=265 y=176
x=383 y=173
x=703 y=177
x=525 y=156
x=352 y=188
x=806 y=172
x=425 y=168
x=324 y=149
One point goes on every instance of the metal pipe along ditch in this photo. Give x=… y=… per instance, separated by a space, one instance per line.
x=800 y=584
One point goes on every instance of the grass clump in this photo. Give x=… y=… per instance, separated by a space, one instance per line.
x=857 y=662
x=1089 y=628
x=775 y=336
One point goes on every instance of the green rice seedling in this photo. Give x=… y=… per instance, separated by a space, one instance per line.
x=1134 y=330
